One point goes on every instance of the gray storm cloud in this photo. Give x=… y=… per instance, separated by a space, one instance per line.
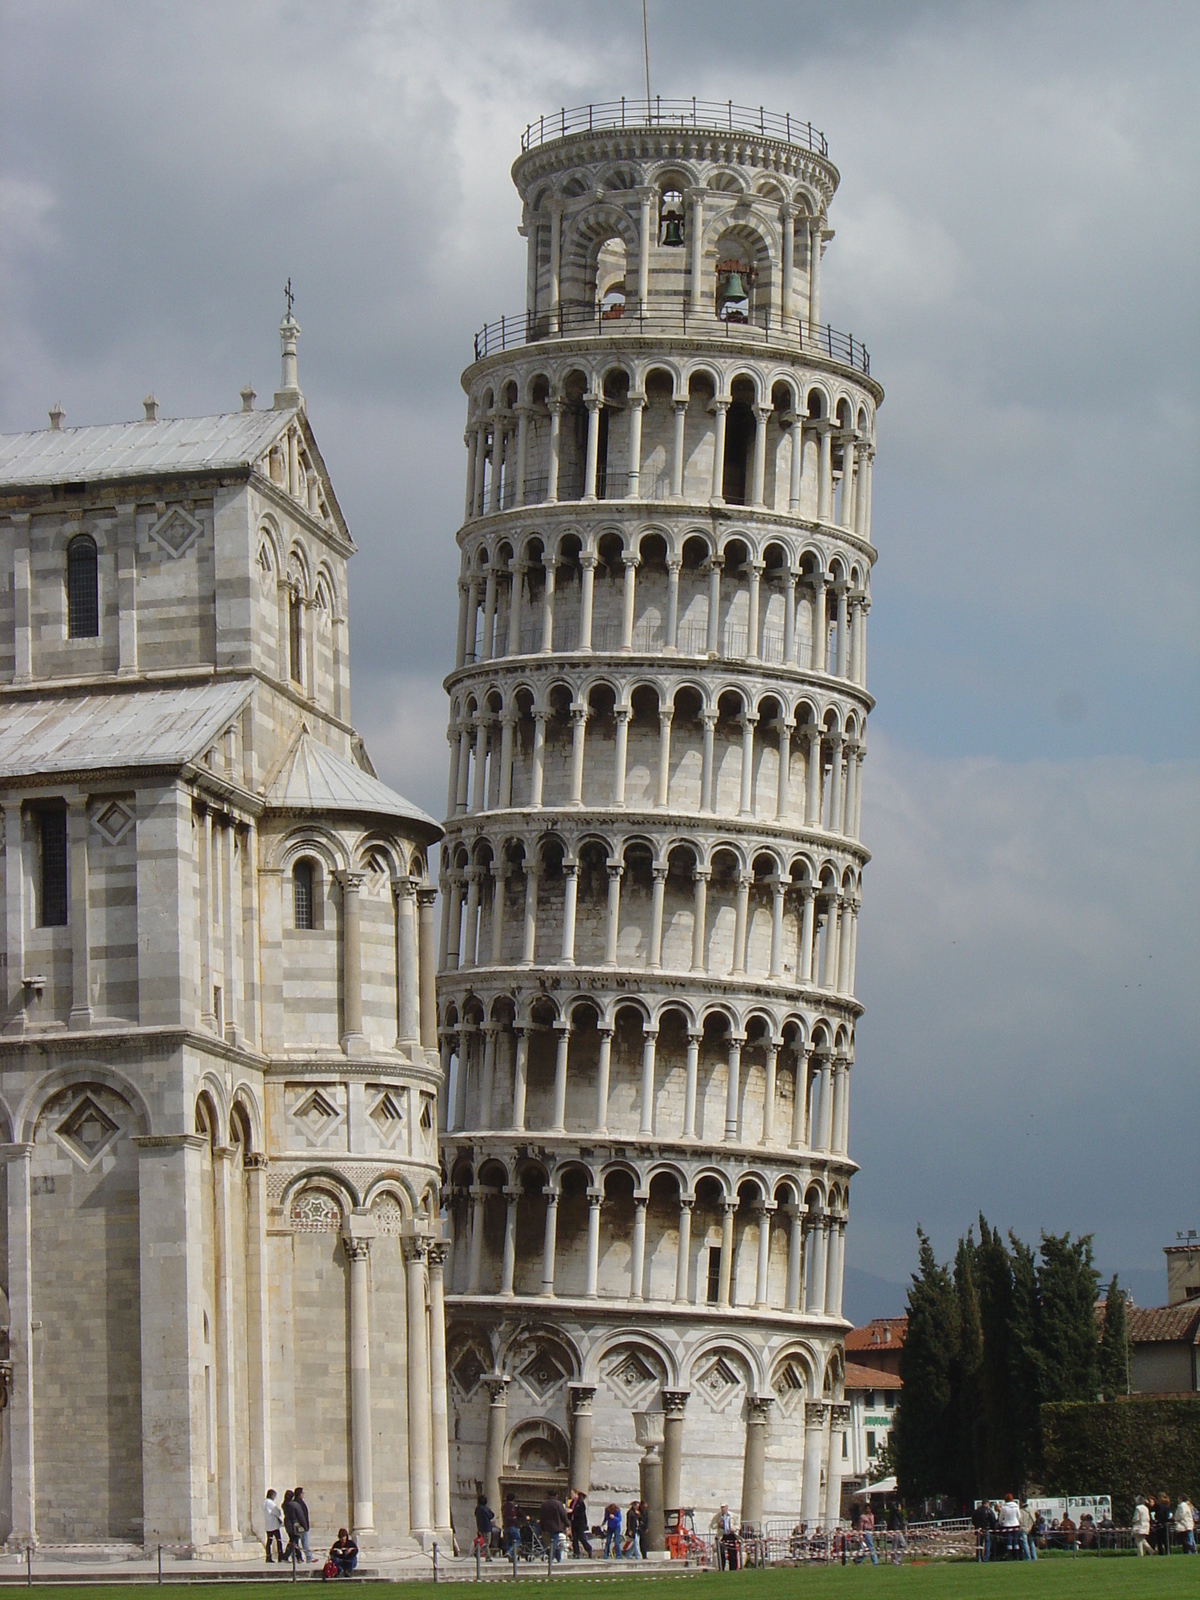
x=1017 y=244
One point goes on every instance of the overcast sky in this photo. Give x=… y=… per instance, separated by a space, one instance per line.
x=1016 y=242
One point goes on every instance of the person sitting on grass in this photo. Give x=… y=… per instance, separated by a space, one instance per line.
x=343 y=1552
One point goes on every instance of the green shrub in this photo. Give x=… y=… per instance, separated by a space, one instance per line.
x=1133 y=1445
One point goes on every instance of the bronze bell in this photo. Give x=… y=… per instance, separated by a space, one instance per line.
x=672 y=228
x=733 y=288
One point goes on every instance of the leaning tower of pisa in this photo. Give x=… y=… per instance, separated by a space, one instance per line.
x=651 y=873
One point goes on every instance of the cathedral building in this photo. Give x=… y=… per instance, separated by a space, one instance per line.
x=652 y=869
x=219 y=1188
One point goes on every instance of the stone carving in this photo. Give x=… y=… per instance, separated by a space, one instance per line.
x=316 y=1211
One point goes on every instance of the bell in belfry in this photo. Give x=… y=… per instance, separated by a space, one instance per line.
x=733 y=288
x=672 y=228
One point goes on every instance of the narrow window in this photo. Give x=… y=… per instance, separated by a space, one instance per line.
x=83 y=598
x=217 y=1006
x=54 y=868
x=714 y=1273
x=295 y=640
x=870 y=1445
x=845 y=1445
x=302 y=894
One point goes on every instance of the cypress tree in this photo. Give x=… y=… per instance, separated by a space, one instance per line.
x=922 y=1433
x=1114 y=1344
x=1025 y=1365
x=968 y=1417
x=1001 y=1452
x=1070 y=1348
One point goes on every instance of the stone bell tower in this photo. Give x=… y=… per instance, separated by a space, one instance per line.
x=651 y=875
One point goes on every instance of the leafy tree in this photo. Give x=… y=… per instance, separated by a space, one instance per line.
x=1114 y=1344
x=922 y=1435
x=1067 y=1285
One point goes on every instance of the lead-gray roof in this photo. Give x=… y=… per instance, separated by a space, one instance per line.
x=114 y=729
x=136 y=449
x=314 y=778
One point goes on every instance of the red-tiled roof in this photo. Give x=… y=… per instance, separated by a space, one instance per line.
x=870 y=1378
x=881 y=1333
x=1161 y=1324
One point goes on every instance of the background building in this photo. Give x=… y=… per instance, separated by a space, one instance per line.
x=217 y=1080
x=651 y=876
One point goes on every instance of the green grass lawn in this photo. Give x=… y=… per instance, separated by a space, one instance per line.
x=1062 y=1579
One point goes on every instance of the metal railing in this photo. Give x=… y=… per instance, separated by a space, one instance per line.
x=575 y=320
x=722 y=116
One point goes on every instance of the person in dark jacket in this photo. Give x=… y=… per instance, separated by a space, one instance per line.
x=511 y=1522
x=300 y=1506
x=485 y=1519
x=579 y=1525
x=291 y=1526
x=343 y=1552
x=553 y=1520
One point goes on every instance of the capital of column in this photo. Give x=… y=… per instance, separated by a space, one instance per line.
x=674 y=1401
x=839 y=1418
x=580 y=1397
x=814 y=1414
x=758 y=1408
x=350 y=882
x=497 y=1386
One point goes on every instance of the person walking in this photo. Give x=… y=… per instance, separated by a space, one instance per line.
x=510 y=1521
x=1140 y=1528
x=485 y=1519
x=579 y=1526
x=895 y=1530
x=612 y=1531
x=291 y=1525
x=1028 y=1547
x=343 y=1553
x=553 y=1518
x=300 y=1506
x=273 y=1522
x=1009 y=1528
x=866 y=1533
x=1185 y=1526
x=1162 y=1525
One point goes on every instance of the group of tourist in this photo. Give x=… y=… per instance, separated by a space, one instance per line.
x=291 y=1517
x=555 y=1521
x=1152 y=1528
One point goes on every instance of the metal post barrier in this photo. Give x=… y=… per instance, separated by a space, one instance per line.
x=29 y=1566
x=435 y=1569
x=160 y=1563
x=293 y=1561
x=512 y=1549
x=550 y=1557
x=478 y=1559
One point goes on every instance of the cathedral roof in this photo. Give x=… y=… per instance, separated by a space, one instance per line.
x=313 y=778
x=136 y=449
x=60 y=733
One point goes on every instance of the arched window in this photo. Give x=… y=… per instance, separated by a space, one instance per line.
x=83 y=596
x=302 y=895
x=295 y=638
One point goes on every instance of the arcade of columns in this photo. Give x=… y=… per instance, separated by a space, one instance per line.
x=652 y=871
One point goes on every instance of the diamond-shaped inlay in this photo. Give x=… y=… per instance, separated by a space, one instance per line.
x=87 y=1131
x=542 y=1372
x=316 y=1114
x=175 y=530
x=113 y=821
x=389 y=1218
x=631 y=1374
x=719 y=1381
x=789 y=1378
x=468 y=1369
x=387 y=1117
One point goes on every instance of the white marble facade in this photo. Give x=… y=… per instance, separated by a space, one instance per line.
x=218 y=1064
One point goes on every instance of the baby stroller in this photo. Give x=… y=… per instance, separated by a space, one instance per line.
x=533 y=1547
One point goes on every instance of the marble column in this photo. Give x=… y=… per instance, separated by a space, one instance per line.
x=683 y=1254
x=839 y=1418
x=595 y=1198
x=810 y=1482
x=497 y=1427
x=758 y=1410
x=439 y=1399
x=420 y=1420
x=580 y=1397
x=352 y=1034
x=674 y=1403
x=356 y=1242
x=77 y=905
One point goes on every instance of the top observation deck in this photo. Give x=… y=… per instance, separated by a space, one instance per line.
x=718 y=116
x=675 y=221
